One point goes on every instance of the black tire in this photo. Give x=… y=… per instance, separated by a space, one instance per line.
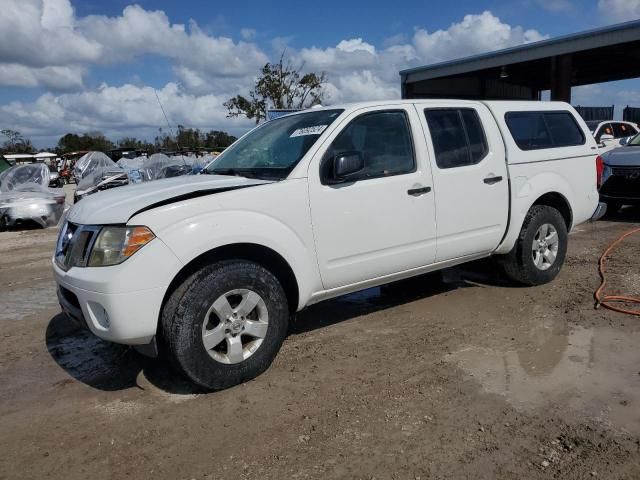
x=183 y=316
x=519 y=264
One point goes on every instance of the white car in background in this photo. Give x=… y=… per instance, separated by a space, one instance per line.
x=610 y=134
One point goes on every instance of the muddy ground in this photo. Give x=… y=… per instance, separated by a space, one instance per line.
x=467 y=377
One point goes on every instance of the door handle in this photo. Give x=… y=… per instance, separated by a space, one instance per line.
x=492 y=180
x=416 y=192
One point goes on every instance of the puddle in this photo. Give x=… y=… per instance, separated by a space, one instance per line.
x=108 y=366
x=594 y=372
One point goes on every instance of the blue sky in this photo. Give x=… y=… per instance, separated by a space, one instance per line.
x=72 y=65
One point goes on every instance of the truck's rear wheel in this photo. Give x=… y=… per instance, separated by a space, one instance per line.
x=225 y=324
x=539 y=252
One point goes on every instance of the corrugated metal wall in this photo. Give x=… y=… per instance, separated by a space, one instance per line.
x=631 y=114
x=595 y=113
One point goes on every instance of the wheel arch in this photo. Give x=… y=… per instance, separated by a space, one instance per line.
x=264 y=256
x=560 y=203
x=551 y=197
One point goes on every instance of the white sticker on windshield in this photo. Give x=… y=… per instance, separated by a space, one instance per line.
x=316 y=130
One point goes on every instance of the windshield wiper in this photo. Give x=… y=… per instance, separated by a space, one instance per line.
x=223 y=171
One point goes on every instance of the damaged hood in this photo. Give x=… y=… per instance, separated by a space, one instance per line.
x=118 y=205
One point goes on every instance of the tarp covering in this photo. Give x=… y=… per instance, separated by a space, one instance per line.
x=159 y=166
x=133 y=167
x=95 y=171
x=30 y=177
x=25 y=197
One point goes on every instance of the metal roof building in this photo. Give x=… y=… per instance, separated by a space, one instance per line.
x=523 y=72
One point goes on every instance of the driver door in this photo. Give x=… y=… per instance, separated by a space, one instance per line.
x=380 y=220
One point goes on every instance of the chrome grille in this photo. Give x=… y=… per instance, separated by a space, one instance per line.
x=74 y=245
x=626 y=171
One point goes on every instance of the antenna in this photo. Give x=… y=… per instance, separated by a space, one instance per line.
x=167 y=120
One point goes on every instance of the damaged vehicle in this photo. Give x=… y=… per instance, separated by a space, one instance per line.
x=619 y=176
x=211 y=268
x=27 y=200
x=96 y=172
x=159 y=166
x=133 y=168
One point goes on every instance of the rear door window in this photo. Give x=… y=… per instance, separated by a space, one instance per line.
x=564 y=130
x=458 y=137
x=621 y=130
x=537 y=130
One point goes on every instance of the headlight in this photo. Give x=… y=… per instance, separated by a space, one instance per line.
x=115 y=244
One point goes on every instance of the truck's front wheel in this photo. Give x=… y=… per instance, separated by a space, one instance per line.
x=225 y=324
x=539 y=252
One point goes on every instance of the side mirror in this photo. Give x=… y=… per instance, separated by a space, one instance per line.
x=625 y=140
x=346 y=164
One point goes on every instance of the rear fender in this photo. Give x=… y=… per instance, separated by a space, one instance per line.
x=524 y=194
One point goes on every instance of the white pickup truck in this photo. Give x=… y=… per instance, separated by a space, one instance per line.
x=209 y=269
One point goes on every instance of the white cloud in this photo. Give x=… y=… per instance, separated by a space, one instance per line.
x=46 y=33
x=43 y=43
x=474 y=34
x=360 y=86
x=620 y=10
x=356 y=44
x=138 y=31
x=40 y=33
x=357 y=70
x=53 y=78
x=117 y=111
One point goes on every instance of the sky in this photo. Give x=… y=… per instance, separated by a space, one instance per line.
x=94 y=65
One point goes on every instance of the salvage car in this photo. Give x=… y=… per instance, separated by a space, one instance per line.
x=159 y=166
x=619 y=176
x=26 y=199
x=95 y=172
x=611 y=134
x=318 y=204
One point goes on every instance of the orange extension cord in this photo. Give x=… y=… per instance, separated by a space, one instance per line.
x=610 y=301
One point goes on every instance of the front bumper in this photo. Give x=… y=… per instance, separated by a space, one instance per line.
x=110 y=302
x=128 y=318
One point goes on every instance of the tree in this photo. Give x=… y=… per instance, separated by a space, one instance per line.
x=134 y=143
x=15 y=142
x=72 y=142
x=193 y=139
x=279 y=86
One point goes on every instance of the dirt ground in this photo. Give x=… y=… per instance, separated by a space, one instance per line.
x=467 y=377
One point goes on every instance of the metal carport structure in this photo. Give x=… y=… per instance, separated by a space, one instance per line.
x=523 y=72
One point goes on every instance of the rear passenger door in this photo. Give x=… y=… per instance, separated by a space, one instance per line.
x=470 y=179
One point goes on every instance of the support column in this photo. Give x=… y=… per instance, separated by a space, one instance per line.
x=561 y=69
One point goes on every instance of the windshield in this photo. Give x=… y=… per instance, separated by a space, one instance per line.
x=634 y=141
x=273 y=149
